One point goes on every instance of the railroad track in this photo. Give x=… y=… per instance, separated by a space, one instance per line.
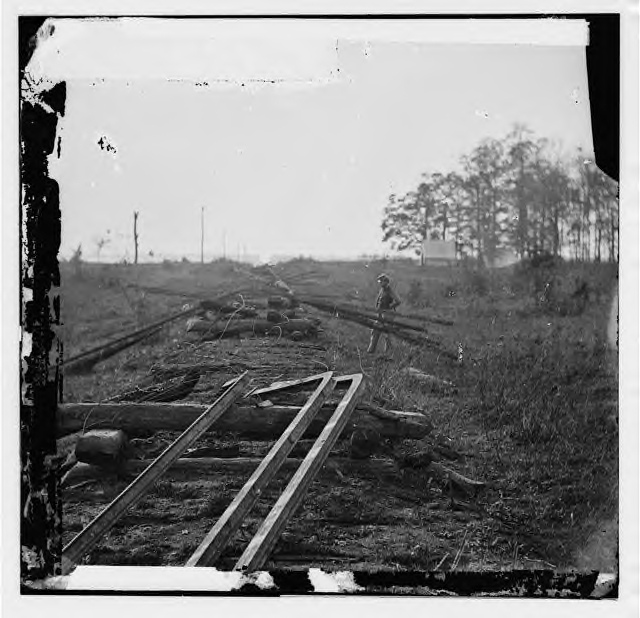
x=262 y=543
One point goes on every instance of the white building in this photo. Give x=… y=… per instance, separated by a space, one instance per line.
x=438 y=252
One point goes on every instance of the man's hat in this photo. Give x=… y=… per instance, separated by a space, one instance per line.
x=383 y=277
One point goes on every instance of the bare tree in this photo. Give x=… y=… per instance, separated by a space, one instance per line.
x=100 y=243
x=76 y=260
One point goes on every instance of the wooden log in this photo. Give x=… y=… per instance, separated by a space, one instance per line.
x=66 y=445
x=206 y=467
x=432 y=382
x=396 y=416
x=246 y=421
x=103 y=447
x=227 y=327
x=456 y=479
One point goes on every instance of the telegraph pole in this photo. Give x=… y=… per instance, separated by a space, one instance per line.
x=202 y=235
x=136 y=214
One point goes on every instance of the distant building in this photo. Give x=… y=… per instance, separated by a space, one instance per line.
x=438 y=252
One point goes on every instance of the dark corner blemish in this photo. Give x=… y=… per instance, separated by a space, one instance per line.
x=40 y=531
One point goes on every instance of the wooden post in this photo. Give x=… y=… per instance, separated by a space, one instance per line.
x=135 y=235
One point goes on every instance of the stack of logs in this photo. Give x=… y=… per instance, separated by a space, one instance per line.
x=280 y=317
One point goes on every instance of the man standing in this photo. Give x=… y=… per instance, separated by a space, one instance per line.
x=387 y=301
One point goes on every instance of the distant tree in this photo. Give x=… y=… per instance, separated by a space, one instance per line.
x=441 y=193
x=522 y=152
x=484 y=182
x=599 y=211
x=518 y=192
x=403 y=224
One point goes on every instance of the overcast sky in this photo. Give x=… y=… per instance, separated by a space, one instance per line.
x=291 y=167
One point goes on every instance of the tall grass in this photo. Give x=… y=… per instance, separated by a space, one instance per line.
x=549 y=409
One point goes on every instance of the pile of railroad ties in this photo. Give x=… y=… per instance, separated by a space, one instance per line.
x=281 y=317
x=288 y=316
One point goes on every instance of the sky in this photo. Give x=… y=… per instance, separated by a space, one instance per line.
x=300 y=166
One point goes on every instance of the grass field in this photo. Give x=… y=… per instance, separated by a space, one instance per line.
x=534 y=414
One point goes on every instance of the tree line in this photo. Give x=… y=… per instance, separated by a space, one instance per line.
x=517 y=192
